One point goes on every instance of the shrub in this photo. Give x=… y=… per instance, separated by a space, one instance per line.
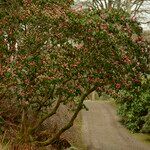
x=134 y=108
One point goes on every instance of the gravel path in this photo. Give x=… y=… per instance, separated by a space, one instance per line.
x=102 y=131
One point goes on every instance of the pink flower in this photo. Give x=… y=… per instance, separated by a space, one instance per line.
x=74 y=65
x=118 y=86
x=104 y=26
x=133 y=18
x=123 y=18
x=127 y=60
x=1 y=70
x=1 y=32
x=79 y=46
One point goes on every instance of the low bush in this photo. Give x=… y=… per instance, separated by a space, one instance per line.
x=134 y=108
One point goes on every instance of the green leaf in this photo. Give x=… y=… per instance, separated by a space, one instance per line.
x=8 y=74
x=1 y=121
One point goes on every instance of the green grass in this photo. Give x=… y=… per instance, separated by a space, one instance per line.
x=4 y=147
x=145 y=138
x=78 y=144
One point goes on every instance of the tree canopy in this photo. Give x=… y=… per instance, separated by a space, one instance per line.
x=51 y=55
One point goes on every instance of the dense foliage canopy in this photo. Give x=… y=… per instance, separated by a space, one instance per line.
x=51 y=55
x=134 y=107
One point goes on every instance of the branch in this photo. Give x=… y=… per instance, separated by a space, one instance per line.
x=137 y=7
x=70 y=123
x=32 y=130
x=50 y=96
x=147 y=22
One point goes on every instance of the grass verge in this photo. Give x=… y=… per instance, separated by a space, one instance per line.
x=145 y=138
x=77 y=140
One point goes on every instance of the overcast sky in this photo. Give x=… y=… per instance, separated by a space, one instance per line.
x=146 y=16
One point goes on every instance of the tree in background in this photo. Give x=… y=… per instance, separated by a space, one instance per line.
x=137 y=8
x=52 y=56
x=131 y=6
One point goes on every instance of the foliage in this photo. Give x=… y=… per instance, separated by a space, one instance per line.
x=134 y=108
x=52 y=55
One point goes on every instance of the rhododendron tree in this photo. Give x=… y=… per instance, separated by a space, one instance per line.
x=51 y=55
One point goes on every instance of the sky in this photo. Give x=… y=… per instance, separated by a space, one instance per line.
x=146 y=16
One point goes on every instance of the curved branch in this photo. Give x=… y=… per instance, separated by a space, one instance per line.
x=70 y=123
x=32 y=130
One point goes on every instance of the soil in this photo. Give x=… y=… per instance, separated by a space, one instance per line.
x=103 y=131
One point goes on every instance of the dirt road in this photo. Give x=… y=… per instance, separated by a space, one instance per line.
x=102 y=131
